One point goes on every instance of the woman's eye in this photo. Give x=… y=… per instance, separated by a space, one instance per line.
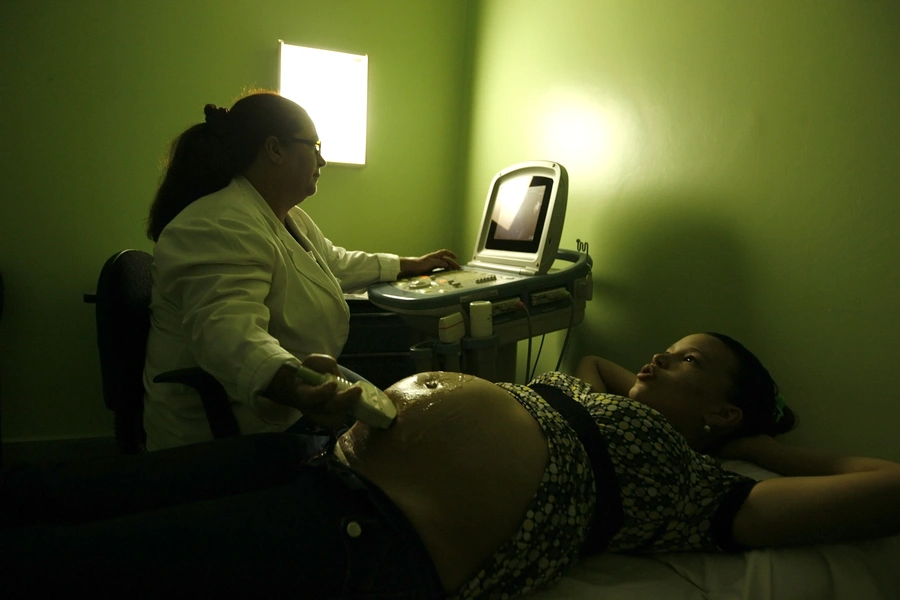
x=689 y=359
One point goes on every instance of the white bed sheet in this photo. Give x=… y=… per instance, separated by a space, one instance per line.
x=868 y=570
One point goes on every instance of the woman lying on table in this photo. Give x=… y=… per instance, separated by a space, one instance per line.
x=477 y=489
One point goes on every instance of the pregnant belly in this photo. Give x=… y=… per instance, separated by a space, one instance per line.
x=462 y=461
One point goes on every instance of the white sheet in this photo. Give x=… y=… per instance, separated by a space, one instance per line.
x=867 y=570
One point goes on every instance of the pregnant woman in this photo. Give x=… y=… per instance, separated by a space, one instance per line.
x=476 y=490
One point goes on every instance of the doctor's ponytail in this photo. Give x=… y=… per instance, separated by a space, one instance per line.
x=207 y=156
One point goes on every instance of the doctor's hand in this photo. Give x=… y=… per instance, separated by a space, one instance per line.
x=440 y=259
x=322 y=404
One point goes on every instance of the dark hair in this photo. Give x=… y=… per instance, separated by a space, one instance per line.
x=756 y=394
x=206 y=157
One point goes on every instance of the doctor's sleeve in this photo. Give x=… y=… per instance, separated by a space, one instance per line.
x=354 y=268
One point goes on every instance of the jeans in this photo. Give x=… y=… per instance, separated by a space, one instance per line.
x=242 y=517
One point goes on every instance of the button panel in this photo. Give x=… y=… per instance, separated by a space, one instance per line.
x=450 y=281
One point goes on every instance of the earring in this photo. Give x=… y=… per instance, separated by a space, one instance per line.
x=706 y=429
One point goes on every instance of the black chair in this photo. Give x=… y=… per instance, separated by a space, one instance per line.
x=123 y=322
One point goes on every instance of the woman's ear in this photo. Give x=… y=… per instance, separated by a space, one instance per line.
x=273 y=150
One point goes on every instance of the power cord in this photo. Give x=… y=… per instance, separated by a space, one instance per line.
x=521 y=305
x=568 y=332
x=537 y=358
x=529 y=374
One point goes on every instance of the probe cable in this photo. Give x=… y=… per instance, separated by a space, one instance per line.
x=568 y=332
x=522 y=306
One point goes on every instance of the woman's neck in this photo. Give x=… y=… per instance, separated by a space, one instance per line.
x=279 y=200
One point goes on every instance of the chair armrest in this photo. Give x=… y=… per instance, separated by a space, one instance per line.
x=212 y=394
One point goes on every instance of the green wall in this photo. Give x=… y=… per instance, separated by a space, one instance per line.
x=733 y=166
x=91 y=93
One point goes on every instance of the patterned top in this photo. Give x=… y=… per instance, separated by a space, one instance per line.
x=672 y=497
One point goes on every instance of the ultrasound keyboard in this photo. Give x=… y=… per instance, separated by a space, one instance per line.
x=452 y=281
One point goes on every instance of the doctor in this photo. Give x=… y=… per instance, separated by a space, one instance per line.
x=245 y=285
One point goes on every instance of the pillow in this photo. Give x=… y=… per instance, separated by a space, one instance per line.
x=747 y=469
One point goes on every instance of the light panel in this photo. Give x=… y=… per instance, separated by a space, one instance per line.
x=332 y=87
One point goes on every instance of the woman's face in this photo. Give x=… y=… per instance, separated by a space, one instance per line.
x=302 y=158
x=689 y=383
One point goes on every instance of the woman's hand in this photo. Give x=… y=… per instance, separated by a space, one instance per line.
x=440 y=259
x=322 y=404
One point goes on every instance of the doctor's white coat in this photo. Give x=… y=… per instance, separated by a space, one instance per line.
x=236 y=294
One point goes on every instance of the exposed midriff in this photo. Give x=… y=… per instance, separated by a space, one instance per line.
x=462 y=461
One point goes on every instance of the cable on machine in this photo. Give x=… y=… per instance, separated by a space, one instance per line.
x=568 y=332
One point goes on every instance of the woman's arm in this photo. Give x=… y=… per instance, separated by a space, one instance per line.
x=785 y=459
x=356 y=269
x=605 y=376
x=824 y=498
x=439 y=259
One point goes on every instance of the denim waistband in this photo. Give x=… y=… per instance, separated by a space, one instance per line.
x=421 y=565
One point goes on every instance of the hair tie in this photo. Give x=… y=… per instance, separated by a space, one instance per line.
x=778 y=411
x=217 y=119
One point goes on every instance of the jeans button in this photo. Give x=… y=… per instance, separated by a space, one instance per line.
x=354 y=530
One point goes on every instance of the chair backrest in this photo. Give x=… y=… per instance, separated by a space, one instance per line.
x=123 y=321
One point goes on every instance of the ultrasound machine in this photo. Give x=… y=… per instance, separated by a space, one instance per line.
x=518 y=285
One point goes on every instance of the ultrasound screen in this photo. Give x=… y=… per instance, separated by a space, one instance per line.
x=518 y=215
